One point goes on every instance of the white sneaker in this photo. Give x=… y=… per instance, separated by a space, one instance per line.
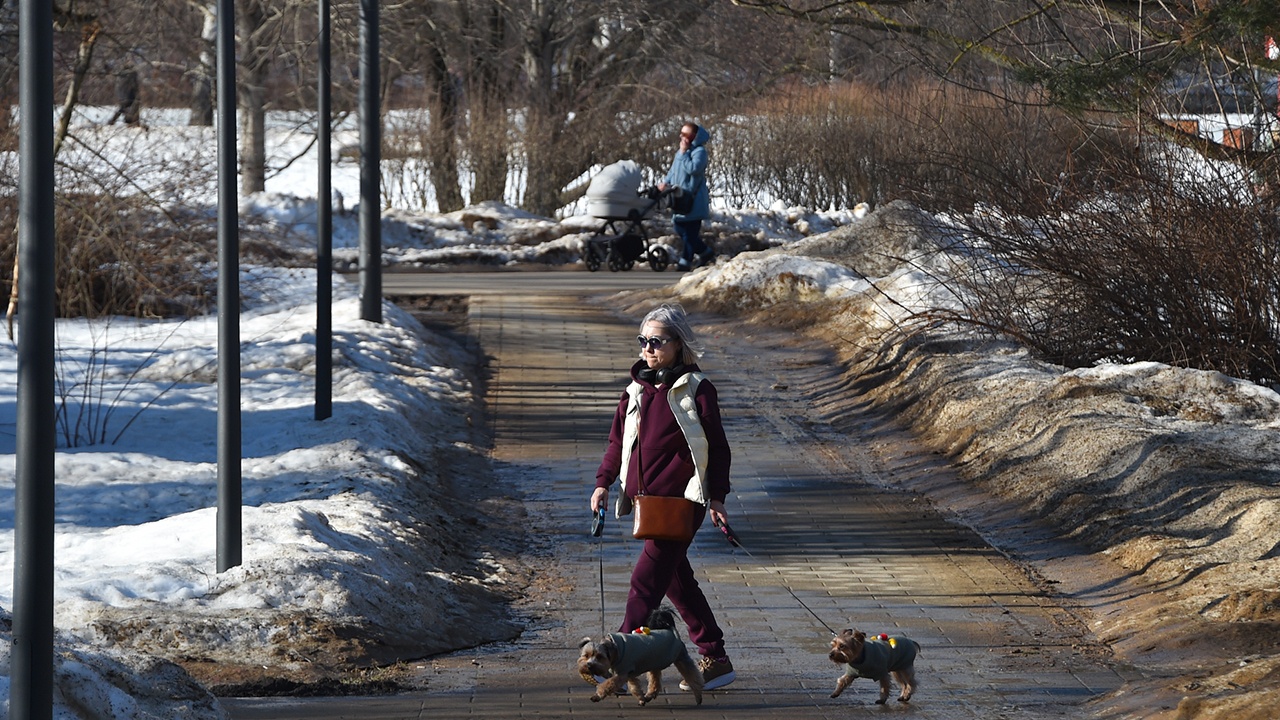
x=715 y=674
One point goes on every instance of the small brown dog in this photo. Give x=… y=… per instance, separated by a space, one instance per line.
x=875 y=659
x=622 y=658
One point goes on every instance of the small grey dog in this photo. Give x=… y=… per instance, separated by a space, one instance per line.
x=876 y=659
x=623 y=657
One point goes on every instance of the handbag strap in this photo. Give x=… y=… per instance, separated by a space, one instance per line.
x=639 y=461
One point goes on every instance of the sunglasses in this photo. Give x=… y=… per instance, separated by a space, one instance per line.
x=653 y=343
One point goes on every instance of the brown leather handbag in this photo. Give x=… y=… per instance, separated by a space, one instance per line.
x=658 y=517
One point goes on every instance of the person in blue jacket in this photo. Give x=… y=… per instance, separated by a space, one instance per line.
x=689 y=172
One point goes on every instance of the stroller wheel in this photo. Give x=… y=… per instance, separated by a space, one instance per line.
x=616 y=263
x=592 y=258
x=658 y=258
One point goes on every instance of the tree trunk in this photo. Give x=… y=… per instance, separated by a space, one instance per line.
x=253 y=140
x=442 y=142
x=542 y=194
x=541 y=129
x=88 y=40
x=488 y=144
x=202 y=90
x=487 y=135
x=254 y=65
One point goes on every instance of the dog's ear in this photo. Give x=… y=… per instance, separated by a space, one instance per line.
x=846 y=634
x=584 y=642
x=859 y=636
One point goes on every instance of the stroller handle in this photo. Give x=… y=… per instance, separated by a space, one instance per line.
x=653 y=193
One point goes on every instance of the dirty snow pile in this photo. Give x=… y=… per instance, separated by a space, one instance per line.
x=173 y=162
x=1171 y=474
x=498 y=235
x=335 y=512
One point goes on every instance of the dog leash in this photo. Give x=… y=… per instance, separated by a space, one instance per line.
x=597 y=529
x=734 y=541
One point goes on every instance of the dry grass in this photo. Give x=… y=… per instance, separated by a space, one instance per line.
x=117 y=256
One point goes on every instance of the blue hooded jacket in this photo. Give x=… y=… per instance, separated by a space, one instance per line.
x=689 y=171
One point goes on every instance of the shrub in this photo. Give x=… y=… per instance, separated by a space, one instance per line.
x=118 y=256
x=942 y=147
x=1085 y=249
x=1161 y=269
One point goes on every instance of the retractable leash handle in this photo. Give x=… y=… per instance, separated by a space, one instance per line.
x=728 y=534
x=597 y=522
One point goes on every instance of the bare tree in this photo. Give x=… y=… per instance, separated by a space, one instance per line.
x=1153 y=254
x=543 y=90
x=489 y=80
x=422 y=40
x=442 y=145
x=203 y=69
x=8 y=70
x=254 y=66
x=85 y=20
x=1137 y=61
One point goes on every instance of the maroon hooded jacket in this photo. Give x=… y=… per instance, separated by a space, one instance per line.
x=661 y=446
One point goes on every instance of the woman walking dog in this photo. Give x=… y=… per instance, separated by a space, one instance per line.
x=659 y=447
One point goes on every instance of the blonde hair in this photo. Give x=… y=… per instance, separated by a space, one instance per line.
x=672 y=317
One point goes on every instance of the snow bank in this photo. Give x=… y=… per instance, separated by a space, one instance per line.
x=1172 y=473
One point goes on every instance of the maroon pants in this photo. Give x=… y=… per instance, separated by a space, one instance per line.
x=663 y=569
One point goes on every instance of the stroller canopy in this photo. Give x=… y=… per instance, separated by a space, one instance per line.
x=614 y=191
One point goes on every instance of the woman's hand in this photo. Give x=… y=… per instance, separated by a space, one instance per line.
x=599 y=499
x=718 y=516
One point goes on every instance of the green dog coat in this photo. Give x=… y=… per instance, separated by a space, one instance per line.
x=639 y=653
x=880 y=657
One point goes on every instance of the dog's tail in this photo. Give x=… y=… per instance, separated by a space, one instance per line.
x=662 y=619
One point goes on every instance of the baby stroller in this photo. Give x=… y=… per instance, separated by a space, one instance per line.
x=615 y=197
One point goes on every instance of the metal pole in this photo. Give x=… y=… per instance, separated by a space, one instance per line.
x=324 y=230
x=229 y=445
x=370 y=159
x=31 y=661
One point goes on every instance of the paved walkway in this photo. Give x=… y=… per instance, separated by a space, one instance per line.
x=808 y=503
